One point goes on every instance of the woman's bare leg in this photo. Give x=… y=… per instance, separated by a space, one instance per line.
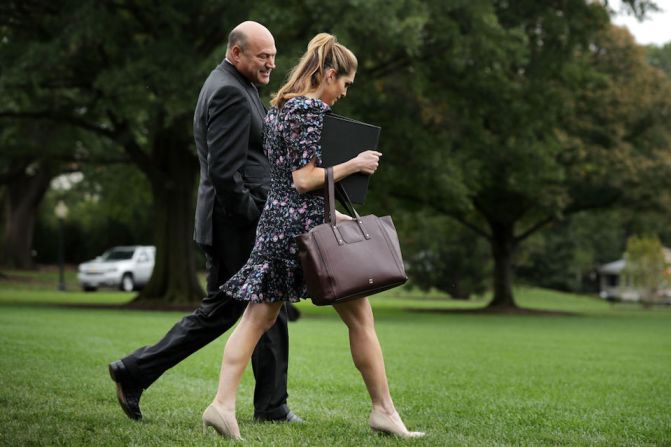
x=367 y=356
x=256 y=320
x=366 y=351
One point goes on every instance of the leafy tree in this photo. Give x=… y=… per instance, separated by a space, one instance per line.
x=564 y=256
x=533 y=112
x=645 y=265
x=646 y=208
x=444 y=255
x=567 y=253
x=660 y=57
x=31 y=156
x=108 y=206
x=641 y=9
x=132 y=85
x=504 y=116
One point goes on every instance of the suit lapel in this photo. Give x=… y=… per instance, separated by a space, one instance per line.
x=257 y=101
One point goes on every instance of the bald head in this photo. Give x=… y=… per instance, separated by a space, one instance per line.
x=241 y=34
x=251 y=49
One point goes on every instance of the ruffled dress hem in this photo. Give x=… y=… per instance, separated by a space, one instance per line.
x=267 y=281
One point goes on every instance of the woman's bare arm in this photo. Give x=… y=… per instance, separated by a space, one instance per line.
x=310 y=177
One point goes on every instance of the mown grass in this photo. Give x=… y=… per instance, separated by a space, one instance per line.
x=600 y=377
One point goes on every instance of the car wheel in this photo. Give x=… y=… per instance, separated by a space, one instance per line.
x=89 y=288
x=127 y=283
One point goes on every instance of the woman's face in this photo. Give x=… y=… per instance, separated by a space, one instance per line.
x=336 y=86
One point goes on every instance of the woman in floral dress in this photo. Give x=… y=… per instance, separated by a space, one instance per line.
x=273 y=274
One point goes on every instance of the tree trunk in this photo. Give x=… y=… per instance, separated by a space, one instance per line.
x=174 y=280
x=503 y=248
x=25 y=192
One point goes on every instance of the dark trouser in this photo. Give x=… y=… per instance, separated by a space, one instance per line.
x=216 y=314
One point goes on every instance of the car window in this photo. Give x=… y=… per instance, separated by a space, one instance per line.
x=118 y=254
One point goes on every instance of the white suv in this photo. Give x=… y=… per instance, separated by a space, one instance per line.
x=127 y=268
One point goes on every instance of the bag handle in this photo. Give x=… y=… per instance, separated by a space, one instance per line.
x=329 y=197
x=329 y=205
x=344 y=199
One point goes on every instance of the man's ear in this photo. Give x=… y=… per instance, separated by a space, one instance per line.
x=235 y=53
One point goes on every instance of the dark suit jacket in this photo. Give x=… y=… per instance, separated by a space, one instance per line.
x=234 y=172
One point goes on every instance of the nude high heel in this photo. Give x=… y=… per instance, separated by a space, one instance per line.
x=392 y=425
x=224 y=423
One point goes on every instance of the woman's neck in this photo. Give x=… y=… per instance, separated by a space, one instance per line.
x=316 y=94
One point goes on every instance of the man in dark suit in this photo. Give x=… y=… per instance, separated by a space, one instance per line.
x=234 y=182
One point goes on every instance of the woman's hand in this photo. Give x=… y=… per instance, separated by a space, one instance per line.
x=368 y=161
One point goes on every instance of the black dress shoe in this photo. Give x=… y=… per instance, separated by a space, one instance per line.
x=290 y=417
x=127 y=393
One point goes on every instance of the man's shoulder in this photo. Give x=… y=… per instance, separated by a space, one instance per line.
x=220 y=77
x=220 y=85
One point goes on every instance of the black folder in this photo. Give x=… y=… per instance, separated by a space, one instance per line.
x=343 y=139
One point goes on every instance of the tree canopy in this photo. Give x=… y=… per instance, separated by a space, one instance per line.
x=503 y=116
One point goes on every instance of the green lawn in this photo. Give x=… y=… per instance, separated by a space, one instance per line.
x=601 y=377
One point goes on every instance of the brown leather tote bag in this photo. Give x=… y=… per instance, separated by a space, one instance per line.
x=352 y=259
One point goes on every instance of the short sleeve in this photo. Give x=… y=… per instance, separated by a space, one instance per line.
x=304 y=120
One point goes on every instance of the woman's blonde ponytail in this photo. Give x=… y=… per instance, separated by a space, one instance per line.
x=323 y=52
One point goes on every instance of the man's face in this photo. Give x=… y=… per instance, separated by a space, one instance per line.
x=257 y=60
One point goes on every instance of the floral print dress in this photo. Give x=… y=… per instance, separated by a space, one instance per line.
x=290 y=140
